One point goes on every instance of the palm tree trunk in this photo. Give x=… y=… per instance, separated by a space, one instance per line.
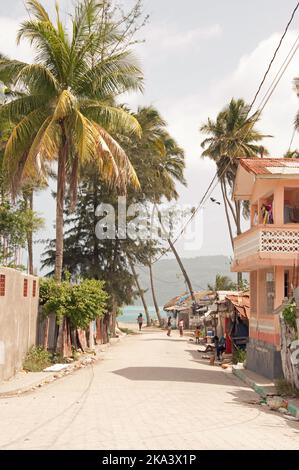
x=60 y=208
x=154 y=295
x=113 y=317
x=233 y=212
x=182 y=269
x=141 y=293
x=227 y=214
x=61 y=177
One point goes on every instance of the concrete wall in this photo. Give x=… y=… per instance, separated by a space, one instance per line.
x=18 y=321
x=264 y=359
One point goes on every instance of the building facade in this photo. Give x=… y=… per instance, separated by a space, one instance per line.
x=19 y=298
x=268 y=251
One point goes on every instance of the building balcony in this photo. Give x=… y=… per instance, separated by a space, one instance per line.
x=265 y=246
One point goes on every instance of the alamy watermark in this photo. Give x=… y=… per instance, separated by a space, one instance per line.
x=145 y=222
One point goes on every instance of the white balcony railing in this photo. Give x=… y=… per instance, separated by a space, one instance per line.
x=267 y=239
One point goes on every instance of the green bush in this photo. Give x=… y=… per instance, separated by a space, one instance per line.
x=37 y=359
x=289 y=315
x=81 y=303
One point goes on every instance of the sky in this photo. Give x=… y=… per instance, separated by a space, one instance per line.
x=197 y=55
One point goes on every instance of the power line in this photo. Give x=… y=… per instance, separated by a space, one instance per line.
x=256 y=116
x=274 y=55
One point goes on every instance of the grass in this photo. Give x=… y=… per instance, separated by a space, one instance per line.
x=37 y=359
x=286 y=389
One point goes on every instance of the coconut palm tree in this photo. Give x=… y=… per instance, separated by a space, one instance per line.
x=160 y=164
x=67 y=110
x=232 y=136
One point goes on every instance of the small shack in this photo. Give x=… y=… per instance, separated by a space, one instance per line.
x=182 y=307
x=233 y=314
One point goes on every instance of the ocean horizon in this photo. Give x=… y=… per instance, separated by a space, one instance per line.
x=130 y=313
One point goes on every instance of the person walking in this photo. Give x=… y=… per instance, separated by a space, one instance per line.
x=181 y=327
x=140 y=321
x=197 y=334
x=220 y=347
x=169 y=326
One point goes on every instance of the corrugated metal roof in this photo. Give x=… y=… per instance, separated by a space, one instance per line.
x=242 y=303
x=267 y=166
x=185 y=300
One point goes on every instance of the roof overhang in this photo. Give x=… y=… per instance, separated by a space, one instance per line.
x=243 y=186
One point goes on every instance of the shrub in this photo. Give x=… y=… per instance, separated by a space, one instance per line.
x=239 y=356
x=81 y=303
x=88 y=302
x=37 y=359
x=289 y=315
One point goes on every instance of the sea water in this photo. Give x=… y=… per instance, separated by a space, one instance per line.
x=131 y=312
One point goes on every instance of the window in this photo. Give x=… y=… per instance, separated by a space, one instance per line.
x=270 y=292
x=25 y=288
x=286 y=283
x=34 y=289
x=253 y=291
x=2 y=285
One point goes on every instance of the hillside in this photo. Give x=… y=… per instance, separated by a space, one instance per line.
x=169 y=281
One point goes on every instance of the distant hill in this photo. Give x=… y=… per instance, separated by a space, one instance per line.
x=169 y=280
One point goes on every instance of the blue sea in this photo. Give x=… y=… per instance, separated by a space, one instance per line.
x=130 y=313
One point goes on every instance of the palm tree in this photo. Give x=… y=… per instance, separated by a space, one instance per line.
x=232 y=136
x=67 y=112
x=159 y=163
x=222 y=283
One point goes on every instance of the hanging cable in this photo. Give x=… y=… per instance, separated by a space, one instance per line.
x=274 y=56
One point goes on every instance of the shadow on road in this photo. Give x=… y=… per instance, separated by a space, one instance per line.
x=174 y=374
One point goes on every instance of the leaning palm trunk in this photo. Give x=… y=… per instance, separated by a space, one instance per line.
x=222 y=183
x=141 y=293
x=186 y=277
x=154 y=295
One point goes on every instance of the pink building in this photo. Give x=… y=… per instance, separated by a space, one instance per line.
x=268 y=251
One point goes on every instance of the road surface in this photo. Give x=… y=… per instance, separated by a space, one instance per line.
x=149 y=392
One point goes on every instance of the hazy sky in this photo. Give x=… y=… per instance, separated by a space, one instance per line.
x=199 y=54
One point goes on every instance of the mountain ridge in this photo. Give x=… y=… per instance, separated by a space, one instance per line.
x=169 y=281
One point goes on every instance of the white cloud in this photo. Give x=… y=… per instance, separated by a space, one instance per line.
x=8 y=43
x=186 y=115
x=175 y=39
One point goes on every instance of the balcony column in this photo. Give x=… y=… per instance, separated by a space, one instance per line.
x=278 y=210
x=279 y=286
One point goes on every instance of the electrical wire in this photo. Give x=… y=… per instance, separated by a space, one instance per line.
x=215 y=180
x=274 y=55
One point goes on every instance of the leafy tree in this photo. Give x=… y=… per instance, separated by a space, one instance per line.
x=222 y=283
x=291 y=154
x=114 y=260
x=80 y=303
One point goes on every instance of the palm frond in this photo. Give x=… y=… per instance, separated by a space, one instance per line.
x=37 y=10
x=113 y=118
